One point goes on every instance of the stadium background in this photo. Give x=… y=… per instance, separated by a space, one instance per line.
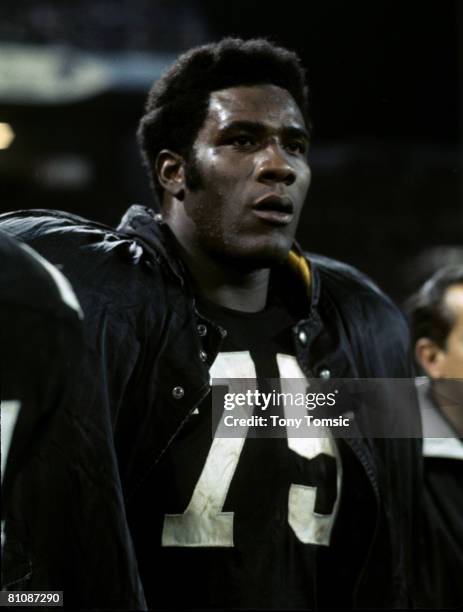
x=387 y=104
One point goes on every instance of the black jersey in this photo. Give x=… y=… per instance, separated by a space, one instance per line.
x=250 y=522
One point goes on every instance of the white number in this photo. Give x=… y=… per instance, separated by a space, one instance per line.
x=9 y=411
x=309 y=526
x=203 y=523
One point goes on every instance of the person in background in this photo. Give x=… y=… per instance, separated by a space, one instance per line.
x=41 y=342
x=51 y=458
x=436 y=321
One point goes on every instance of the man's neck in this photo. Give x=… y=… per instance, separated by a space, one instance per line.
x=249 y=295
x=454 y=415
x=227 y=285
x=448 y=395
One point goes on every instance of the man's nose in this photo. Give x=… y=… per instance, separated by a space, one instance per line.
x=274 y=167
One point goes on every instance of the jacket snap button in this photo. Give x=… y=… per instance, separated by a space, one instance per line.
x=223 y=333
x=136 y=251
x=302 y=337
x=178 y=392
x=202 y=330
x=203 y=355
x=325 y=374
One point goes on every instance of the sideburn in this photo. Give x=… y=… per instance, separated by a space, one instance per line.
x=193 y=178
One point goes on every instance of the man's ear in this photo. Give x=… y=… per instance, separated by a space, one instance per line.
x=170 y=170
x=430 y=356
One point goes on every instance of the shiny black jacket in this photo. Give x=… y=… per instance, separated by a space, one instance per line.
x=148 y=354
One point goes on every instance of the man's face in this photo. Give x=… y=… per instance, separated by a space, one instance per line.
x=446 y=366
x=451 y=363
x=251 y=157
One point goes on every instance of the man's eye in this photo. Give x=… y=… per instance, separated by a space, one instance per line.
x=296 y=146
x=243 y=141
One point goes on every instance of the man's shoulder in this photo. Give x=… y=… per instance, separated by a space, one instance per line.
x=94 y=256
x=347 y=282
x=359 y=301
x=373 y=324
x=36 y=225
x=30 y=282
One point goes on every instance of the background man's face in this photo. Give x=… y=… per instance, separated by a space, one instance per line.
x=251 y=157
x=451 y=365
x=446 y=368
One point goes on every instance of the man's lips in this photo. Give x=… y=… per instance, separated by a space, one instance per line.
x=274 y=208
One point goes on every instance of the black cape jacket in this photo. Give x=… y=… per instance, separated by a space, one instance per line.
x=146 y=370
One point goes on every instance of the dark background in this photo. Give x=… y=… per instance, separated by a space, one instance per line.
x=386 y=91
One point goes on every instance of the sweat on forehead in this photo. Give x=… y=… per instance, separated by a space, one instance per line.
x=265 y=104
x=253 y=96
